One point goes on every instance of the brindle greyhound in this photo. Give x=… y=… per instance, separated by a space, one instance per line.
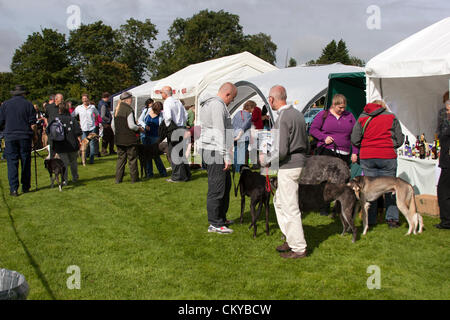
x=371 y=188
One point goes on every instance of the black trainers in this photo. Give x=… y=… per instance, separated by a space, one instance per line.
x=14 y=193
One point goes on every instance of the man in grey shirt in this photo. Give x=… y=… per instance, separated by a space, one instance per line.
x=215 y=122
x=291 y=149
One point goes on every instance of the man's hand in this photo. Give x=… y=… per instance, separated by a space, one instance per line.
x=329 y=140
x=354 y=158
x=141 y=129
x=227 y=165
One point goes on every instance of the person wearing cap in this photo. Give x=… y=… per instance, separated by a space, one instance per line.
x=18 y=118
x=88 y=113
x=104 y=107
x=126 y=137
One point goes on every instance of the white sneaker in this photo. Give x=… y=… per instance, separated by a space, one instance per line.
x=222 y=230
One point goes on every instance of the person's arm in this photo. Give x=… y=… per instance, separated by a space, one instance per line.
x=316 y=129
x=142 y=117
x=219 y=124
x=167 y=113
x=132 y=124
x=113 y=127
x=397 y=135
x=356 y=136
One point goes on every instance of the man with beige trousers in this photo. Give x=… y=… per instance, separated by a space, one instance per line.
x=290 y=151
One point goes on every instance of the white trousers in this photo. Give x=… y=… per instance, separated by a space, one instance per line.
x=287 y=210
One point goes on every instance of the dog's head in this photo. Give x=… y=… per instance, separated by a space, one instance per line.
x=243 y=168
x=92 y=136
x=273 y=182
x=357 y=184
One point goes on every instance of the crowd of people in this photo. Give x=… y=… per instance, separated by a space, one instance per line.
x=372 y=139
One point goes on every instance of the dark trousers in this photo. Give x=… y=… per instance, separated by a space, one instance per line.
x=14 y=151
x=180 y=171
x=443 y=193
x=108 y=139
x=219 y=186
x=125 y=153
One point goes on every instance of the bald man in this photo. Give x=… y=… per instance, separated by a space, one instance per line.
x=291 y=155
x=174 y=112
x=216 y=142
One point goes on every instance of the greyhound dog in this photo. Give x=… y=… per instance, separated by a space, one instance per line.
x=347 y=200
x=84 y=145
x=253 y=184
x=55 y=166
x=371 y=188
x=146 y=152
x=313 y=197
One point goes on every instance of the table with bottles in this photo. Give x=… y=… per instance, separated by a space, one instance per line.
x=418 y=165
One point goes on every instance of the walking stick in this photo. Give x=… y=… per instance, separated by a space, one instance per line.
x=35 y=167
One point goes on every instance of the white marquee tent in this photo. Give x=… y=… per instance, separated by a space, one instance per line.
x=200 y=80
x=304 y=85
x=412 y=77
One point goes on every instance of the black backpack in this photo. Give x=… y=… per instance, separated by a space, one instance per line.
x=55 y=130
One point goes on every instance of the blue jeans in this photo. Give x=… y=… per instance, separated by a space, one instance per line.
x=240 y=152
x=15 y=150
x=91 y=145
x=158 y=162
x=376 y=168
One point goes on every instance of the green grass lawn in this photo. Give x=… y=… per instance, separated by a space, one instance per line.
x=149 y=240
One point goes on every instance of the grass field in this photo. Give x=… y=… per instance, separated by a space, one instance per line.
x=149 y=240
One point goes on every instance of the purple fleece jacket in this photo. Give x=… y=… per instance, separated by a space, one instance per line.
x=340 y=129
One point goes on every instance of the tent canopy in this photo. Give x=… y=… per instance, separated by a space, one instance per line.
x=412 y=76
x=304 y=85
x=425 y=53
x=204 y=79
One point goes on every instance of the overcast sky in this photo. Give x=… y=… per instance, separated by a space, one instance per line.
x=299 y=28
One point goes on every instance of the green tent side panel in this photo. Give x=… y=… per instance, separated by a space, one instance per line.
x=352 y=86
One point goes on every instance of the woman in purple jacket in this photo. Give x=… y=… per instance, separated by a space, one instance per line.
x=333 y=128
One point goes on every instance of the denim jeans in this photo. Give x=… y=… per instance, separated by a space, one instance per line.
x=240 y=154
x=376 y=168
x=91 y=146
x=15 y=150
x=158 y=162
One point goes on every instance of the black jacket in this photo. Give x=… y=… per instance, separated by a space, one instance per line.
x=72 y=131
x=444 y=158
x=16 y=117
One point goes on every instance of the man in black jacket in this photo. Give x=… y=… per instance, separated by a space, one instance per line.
x=18 y=117
x=443 y=188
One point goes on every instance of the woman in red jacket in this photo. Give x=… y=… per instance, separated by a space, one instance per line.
x=378 y=134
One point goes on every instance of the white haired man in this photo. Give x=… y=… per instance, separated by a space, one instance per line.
x=175 y=112
x=291 y=154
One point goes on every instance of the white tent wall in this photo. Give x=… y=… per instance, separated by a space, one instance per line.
x=415 y=101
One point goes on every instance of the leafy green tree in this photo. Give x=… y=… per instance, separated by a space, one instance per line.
x=6 y=85
x=342 y=55
x=136 y=39
x=261 y=45
x=204 y=36
x=94 y=50
x=333 y=53
x=292 y=63
x=42 y=64
x=329 y=54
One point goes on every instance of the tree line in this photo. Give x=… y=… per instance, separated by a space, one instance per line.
x=96 y=58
